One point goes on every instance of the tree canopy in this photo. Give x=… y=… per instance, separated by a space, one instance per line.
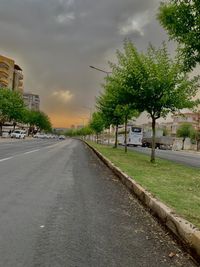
x=181 y=19
x=12 y=109
x=154 y=82
x=11 y=106
x=97 y=123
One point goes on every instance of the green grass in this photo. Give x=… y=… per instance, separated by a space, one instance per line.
x=174 y=184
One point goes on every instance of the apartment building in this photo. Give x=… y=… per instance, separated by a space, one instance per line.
x=32 y=101
x=6 y=72
x=11 y=76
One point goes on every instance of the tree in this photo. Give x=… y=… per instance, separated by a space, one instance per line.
x=156 y=83
x=11 y=107
x=181 y=20
x=184 y=131
x=97 y=123
x=195 y=136
x=36 y=119
x=110 y=113
x=42 y=121
x=113 y=103
x=127 y=112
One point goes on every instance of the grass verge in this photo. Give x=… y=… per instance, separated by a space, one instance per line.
x=176 y=185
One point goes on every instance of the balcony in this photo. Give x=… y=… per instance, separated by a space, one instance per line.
x=4 y=71
x=4 y=80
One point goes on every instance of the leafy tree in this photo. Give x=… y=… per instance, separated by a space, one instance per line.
x=127 y=111
x=11 y=107
x=181 y=19
x=195 y=136
x=85 y=131
x=184 y=131
x=97 y=123
x=36 y=119
x=110 y=113
x=114 y=105
x=156 y=83
x=42 y=121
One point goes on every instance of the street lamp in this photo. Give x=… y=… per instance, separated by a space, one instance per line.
x=104 y=71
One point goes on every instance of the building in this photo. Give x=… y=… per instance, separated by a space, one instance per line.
x=187 y=117
x=18 y=79
x=32 y=101
x=6 y=72
x=11 y=76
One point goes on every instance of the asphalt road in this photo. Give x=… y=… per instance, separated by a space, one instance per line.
x=60 y=206
x=187 y=158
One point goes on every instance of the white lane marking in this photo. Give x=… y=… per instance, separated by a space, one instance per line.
x=32 y=151
x=5 y=159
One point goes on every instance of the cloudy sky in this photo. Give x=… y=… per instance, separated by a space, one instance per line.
x=55 y=42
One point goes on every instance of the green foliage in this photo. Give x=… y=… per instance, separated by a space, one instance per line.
x=79 y=132
x=153 y=82
x=185 y=130
x=97 y=123
x=11 y=106
x=40 y=120
x=181 y=19
x=113 y=103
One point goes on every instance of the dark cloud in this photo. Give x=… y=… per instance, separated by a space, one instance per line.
x=55 y=41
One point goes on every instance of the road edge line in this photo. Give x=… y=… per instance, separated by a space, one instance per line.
x=186 y=232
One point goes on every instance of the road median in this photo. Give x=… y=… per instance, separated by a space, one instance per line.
x=186 y=232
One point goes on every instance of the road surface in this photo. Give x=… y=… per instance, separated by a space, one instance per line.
x=60 y=206
x=187 y=158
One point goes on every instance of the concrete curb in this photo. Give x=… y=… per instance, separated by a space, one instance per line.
x=186 y=232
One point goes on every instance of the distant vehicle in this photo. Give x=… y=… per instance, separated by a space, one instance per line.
x=61 y=137
x=19 y=134
x=38 y=135
x=134 y=136
x=162 y=142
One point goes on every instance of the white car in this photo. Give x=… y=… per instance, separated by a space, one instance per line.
x=18 y=134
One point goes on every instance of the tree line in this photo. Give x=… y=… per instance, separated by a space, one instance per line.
x=153 y=81
x=13 y=111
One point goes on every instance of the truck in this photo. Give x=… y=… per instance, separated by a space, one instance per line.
x=161 y=141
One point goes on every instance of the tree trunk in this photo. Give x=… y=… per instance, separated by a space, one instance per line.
x=97 y=137
x=183 y=143
x=116 y=137
x=153 y=140
x=125 y=137
x=198 y=145
x=1 y=125
x=109 y=137
x=14 y=125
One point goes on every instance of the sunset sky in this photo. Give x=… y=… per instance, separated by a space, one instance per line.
x=55 y=42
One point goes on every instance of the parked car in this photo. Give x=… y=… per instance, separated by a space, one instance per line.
x=61 y=137
x=19 y=134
